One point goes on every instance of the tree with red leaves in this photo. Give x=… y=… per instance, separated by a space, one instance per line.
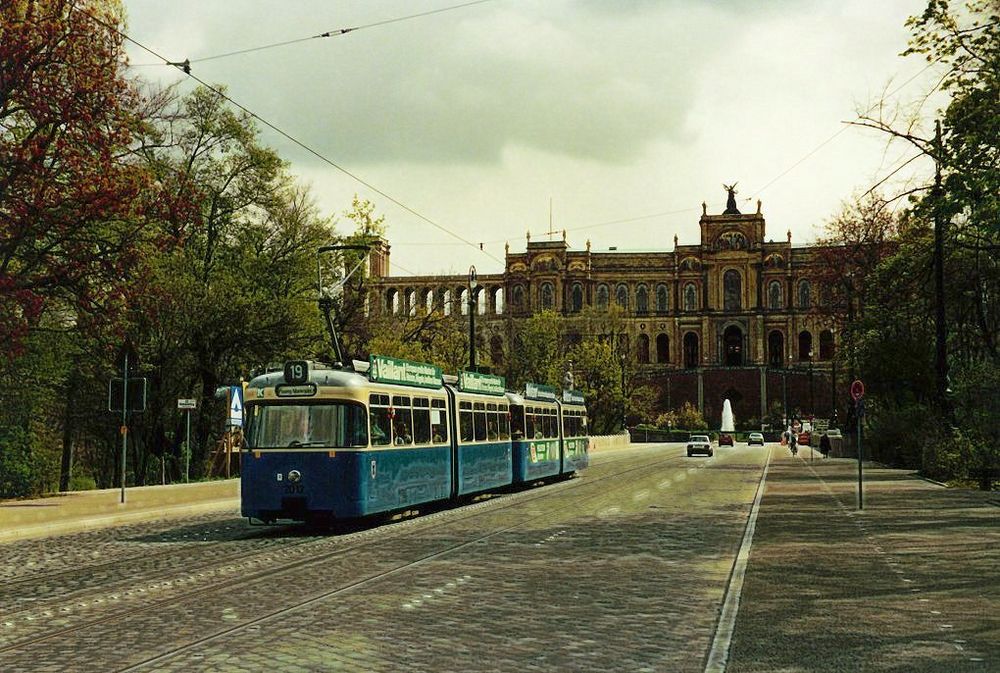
x=69 y=195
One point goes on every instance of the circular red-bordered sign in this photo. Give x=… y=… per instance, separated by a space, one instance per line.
x=857 y=390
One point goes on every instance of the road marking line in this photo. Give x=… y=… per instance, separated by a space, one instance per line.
x=718 y=656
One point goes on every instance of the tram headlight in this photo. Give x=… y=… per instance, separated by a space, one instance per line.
x=294 y=476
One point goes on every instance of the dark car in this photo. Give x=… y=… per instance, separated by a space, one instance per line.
x=699 y=444
x=725 y=440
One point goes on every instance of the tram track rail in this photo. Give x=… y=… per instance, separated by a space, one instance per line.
x=343 y=548
x=392 y=572
x=36 y=583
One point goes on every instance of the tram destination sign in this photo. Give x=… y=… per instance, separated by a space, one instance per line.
x=384 y=369
x=573 y=397
x=538 y=391
x=474 y=382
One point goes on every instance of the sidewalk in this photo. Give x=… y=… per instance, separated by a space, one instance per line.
x=88 y=510
x=912 y=583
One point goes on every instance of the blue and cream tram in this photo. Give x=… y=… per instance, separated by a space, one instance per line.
x=573 y=425
x=535 y=432
x=327 y=443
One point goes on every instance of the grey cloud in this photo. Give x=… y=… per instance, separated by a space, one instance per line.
x=464 y=88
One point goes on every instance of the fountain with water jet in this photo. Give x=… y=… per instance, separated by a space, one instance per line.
x=728 y=422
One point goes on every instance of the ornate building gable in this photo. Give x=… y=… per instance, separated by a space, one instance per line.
x=731 y=230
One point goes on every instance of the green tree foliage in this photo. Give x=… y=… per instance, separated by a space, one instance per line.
x=238 y=290
x=892 y=343
x=597 y=375
x=71 y=201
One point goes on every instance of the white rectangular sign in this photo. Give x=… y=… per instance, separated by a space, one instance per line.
x=187 y=404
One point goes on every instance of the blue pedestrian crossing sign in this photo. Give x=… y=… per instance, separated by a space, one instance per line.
x=236 y=406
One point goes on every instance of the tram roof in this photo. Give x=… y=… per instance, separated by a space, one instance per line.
x=343 y=378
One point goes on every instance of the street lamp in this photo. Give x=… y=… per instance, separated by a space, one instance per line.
x=473 y=284
x=812 y=405
x=621 y=357
x=812 y=390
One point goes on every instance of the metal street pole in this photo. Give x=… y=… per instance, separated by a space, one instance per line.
x=784 y=396
x=124 y=428
x=187 y=450
x=812 y=388
x=861 y=497
x=473 y=283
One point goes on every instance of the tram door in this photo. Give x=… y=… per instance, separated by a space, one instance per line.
x=452 y=411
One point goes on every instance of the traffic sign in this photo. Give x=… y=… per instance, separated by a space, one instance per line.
x=136 y=394
x=236 y=406
x=187 y=404
x=857 y=390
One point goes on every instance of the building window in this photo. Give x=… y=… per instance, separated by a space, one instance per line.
x=643 y=349
x=662 y=348
x=498 y=301
x=602 y=296
x=621 y=296
x=690 y=350
x=826 y=349
x=392 y=301
x=547 y=296
x=690 y=297
x=446 y=301
x=577 y=298
x=517 y=298
x=732 y=288
x=642 y=299
x=805 y=345
x=774 y=298
x=463 y=298
x=662 y=303
x=805 y=292
x=411 y=302
x=776 y=349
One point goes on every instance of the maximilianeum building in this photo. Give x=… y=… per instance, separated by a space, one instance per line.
x=735 y=317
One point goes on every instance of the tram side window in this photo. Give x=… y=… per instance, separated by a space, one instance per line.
x=517 y=422
x=480 y=421
x=550 y=424
x=504 y=422
x=573 y=425
x=378 y=417
x=492 y=423
x=465 y=424
x=530 y=431
x=421 y=420
x=439 y=422
x=402 y=420
x=583 y=424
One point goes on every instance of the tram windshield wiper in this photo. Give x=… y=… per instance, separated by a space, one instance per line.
x=296 y=443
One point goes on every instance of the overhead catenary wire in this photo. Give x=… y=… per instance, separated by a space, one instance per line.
x=293 y=139
x=841 y=130
x=336 y=32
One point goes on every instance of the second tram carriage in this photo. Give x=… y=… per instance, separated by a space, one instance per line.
x=325 y=443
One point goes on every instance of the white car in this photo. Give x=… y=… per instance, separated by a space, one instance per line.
x=755 y=438
x=699 y=444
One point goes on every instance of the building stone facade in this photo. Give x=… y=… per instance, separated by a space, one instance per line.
x=735 y=316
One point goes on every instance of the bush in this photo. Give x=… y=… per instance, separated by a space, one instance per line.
x=17 y=466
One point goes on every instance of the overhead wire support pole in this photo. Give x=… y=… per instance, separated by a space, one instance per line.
x=124 y=428
x=940 y=326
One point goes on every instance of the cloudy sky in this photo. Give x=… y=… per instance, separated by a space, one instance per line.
x=626 y=115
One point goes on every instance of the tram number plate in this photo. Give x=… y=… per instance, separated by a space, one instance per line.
x=295 y=489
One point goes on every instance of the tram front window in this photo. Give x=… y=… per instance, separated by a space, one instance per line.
x=330 y=424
